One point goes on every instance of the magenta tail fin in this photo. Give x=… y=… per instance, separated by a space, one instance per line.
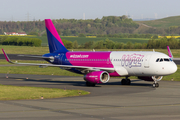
x=54 y=41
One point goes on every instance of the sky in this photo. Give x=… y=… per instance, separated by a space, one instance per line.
x=24 y=10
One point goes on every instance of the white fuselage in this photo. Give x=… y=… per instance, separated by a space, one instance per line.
x=136 y=63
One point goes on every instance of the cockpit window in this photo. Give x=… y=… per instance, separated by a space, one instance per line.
x=166 y=59
x=161 y=60
x=157 y=60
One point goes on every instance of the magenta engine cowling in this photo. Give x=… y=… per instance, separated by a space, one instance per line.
x=97 y=77
x=150 y=78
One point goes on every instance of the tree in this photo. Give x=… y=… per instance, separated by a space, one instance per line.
x=81 y=35
x=67 y=44
x=2 y=39
x=33 y=33
x=66 y=33
x=129 y=45
x=75 y=44
x=59 y=31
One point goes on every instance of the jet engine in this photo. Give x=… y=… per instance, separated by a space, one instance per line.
x=97 y=77
x=150 y=78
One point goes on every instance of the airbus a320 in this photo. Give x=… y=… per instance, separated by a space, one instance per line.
x=97 y=66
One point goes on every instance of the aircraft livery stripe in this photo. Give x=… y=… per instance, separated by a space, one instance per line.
x=54 y=44
x=114 y=74
x=52 y=29
x=94 y=59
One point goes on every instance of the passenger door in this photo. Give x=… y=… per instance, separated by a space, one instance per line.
x=146 y=61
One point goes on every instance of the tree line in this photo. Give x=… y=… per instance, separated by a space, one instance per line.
x=106 y=26
x=20 y=41
x=109 y=44
x=102 y=44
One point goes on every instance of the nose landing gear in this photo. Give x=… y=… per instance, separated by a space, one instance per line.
x=155 y=85
x=156 y=79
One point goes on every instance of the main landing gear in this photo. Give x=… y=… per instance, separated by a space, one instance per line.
x=125 y=81
x=89 y=84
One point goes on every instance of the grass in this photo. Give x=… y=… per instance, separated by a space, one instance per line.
x=82 y=40
x=163 y=23
x=175 y=76
x=24 y=50
x=8 y=92
x=35 y=70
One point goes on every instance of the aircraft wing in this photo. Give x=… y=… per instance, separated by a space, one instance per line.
x=83 y=69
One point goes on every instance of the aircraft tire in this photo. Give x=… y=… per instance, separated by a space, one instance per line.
x=125 y=82
x=155 y=85
x=128 y=81
x=89 y=84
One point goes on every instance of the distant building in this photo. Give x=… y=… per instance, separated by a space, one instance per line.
x=14 y=33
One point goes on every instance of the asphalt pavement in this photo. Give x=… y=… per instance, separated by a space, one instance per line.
x=111 y=101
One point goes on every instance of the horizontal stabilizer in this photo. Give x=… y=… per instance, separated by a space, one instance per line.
x=40 y=57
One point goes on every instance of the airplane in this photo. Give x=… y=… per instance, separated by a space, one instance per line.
x=98 y=66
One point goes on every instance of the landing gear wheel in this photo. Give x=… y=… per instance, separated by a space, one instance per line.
x=128 y=81
x=89 y=84
x=155 y=85
x=125 y=82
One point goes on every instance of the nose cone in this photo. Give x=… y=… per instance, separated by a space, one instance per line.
x=173 y=68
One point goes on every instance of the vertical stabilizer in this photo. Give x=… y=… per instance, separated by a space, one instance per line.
x=54 y=41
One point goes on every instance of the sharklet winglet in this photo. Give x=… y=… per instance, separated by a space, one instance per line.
x=6 y=56
x=169 y=52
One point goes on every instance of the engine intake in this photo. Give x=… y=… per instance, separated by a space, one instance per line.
x=97 y=77
x=150 y=78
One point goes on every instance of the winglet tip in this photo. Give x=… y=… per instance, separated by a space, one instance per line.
x=7 y=58
x=169 y=52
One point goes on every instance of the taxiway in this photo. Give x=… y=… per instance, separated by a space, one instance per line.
x=110 y=101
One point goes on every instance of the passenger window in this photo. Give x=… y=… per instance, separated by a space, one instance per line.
x=161 y=60
x=157 y=60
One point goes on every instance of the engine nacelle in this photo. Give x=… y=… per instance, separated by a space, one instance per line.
x=150 y=78
x=97 y=77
